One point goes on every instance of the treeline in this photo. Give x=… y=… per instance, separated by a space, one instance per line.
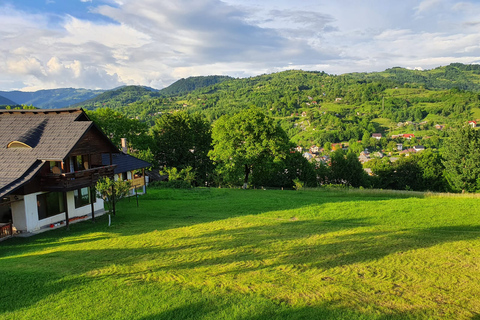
x=251 y=149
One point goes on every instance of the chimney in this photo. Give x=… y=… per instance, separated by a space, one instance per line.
x=124 y=145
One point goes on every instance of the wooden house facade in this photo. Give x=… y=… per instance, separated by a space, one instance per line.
x=50 y=161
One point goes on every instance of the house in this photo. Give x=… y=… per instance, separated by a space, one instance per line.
x=129 y=168
x=419 y=148
x=408 y=151
x=308 y=156
x=472 y=123
x=399 y=146
x=50 y=160
x=377 y=136
x=299 y=149
x=408 y=136
x=377 y=154
x=314 y=149
x=364 y=157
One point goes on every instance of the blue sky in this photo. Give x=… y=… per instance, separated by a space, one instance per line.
x=106 y=43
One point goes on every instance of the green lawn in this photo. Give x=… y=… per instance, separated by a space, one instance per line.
x=255 y=254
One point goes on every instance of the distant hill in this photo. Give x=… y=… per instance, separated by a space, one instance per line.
x=455 y=75
x=6 y=102
x=126 y=95
x=118 y=97
x=52 y=98
x=192 y=83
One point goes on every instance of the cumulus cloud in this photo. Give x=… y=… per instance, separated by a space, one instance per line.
x=154 y=43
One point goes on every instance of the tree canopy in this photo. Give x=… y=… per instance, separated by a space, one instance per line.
x=462 y=159
x=183 y=140
x=247 y=140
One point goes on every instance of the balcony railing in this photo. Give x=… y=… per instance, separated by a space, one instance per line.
x=137 y=182
x=74 y=180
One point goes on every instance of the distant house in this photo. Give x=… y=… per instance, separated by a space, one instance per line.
x=337 y=146
x=314 y=149
x=304 y=114
x=308 y=156
x=299 y=149
x=323 y=159
x=377 y=136
x=364 y=157
x=50 y=161
x=419 y=148
x=439 y=126
x=369 y=171
x=399 y=146
x=408 y=136
x=472 y=123
x=377 y=154
x=408 y=151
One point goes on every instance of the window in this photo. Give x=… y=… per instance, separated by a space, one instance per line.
x=18 y=144
x=80 y=163
x=50 y=204
x=56 y=167
x=83 y=197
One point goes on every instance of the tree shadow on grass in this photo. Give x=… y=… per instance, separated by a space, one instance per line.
x=360 y=245
x=180 y=210
x=272 y=311
x=50 y=273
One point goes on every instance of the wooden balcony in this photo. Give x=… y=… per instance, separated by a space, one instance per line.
x=137 y=182
x=74 y=180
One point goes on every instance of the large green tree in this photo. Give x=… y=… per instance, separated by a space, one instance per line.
x=247 y=141
x=462 y=159
x=116 y=126
x=346 y=169
x=184 y=140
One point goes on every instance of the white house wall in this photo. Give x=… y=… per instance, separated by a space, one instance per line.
x=25 y=213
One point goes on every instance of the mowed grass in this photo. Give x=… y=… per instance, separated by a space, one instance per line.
x=255 y=254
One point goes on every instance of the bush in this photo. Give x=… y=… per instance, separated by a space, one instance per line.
x=298 y=185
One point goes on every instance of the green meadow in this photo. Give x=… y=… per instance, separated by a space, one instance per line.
x=254 y=254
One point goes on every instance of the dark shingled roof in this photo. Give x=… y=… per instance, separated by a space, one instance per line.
x=125 y=162
x=50 y=133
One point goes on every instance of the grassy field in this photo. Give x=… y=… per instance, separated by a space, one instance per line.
x=255 y=254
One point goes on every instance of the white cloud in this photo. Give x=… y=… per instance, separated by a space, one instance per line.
x=154 y=43
x=427 y=5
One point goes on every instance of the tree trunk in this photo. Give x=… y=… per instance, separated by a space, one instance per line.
x=113 y=200
x=247 y=172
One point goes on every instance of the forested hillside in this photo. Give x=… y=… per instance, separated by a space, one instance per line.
x=117 y=98
x=50 y=99
x=315 y=107
x=185 y=85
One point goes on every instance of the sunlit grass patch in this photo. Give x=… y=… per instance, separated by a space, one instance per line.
x=254 y=254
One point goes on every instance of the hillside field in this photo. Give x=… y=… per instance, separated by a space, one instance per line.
x=254 y=254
